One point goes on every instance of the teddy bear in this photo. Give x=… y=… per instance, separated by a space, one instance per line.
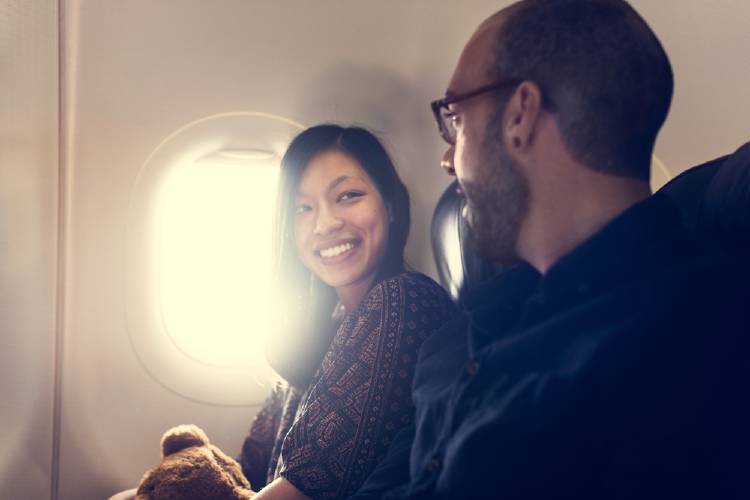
x=193 y=468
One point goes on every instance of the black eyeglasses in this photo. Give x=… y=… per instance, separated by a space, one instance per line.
x=444 y=116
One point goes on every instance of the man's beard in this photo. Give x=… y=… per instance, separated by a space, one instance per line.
x=497 y=200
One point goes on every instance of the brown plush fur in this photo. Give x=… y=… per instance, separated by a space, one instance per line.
x=193 y=469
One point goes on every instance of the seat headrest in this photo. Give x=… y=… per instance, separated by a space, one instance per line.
x=459 y=267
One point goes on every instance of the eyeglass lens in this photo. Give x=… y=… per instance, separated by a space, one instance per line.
x=447 y=126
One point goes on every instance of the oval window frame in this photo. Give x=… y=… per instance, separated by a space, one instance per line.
x=155 y=349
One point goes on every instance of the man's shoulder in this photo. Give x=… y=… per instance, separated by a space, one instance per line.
x=686 y=316
x=701 y=273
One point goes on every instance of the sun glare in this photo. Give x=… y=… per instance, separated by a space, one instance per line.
x=215 y=260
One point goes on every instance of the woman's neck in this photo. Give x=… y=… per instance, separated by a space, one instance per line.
x=351 y=295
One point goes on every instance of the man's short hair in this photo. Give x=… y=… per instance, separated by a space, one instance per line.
x=602 y=72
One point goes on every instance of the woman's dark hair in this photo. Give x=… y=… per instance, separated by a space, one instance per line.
x=306 y=327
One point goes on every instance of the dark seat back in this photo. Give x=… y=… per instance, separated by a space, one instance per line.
x=459 y=267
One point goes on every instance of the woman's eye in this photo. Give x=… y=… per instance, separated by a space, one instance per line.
x=349 y=195
x=301 y=209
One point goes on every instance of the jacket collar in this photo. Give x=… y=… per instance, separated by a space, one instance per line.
x=636 y=242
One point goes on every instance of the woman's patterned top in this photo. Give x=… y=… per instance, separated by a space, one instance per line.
x=327 y=439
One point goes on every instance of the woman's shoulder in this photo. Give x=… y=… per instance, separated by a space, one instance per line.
x=410 y=290
x=413 y=282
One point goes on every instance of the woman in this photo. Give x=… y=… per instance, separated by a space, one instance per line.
x=348 y=355
x=352 y=323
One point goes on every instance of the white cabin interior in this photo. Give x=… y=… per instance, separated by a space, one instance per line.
x=103 y=103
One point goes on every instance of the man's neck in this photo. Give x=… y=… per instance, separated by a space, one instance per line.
x=571 y=216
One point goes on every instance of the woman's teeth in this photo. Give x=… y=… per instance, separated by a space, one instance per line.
x=337 y=250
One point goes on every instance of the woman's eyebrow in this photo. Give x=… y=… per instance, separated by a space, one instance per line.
x=342 y=178
x=331 y=186
x=335 y=182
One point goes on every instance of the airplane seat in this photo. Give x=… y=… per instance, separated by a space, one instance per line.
x=714 y=199
x=459 y=267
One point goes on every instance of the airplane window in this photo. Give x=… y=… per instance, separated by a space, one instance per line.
x=215 y=259
x=198 y=246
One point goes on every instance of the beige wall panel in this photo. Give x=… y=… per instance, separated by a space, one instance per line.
x=28 y=238
x=708 y=43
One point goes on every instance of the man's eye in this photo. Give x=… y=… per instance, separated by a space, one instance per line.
x=349 y=195
x=301 y=209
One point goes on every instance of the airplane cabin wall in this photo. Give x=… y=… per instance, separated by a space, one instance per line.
x=707 y=43
x=28 y=244
x=135 y=72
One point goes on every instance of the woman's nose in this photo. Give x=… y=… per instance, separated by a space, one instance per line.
x=446 y=162
x=327 y=222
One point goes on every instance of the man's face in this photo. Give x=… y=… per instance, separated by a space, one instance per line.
x=495 y=189
x=496 y=198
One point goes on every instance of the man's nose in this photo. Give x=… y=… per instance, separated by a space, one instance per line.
x=447 y=161
x=327 y=222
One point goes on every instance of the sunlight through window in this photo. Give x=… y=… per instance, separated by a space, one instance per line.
x=215 y=260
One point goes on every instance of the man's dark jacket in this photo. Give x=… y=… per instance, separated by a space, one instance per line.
x=620 y=373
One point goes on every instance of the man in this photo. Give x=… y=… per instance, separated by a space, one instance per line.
x=608 y=360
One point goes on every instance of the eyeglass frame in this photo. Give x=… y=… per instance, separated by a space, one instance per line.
x=439 y=104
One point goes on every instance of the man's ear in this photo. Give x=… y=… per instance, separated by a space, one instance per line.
x=522 y=116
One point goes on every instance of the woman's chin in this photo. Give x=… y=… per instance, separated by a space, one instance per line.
x=347 y=278
x=341 y=279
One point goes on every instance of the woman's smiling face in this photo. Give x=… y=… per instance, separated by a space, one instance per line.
x=340 y=224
